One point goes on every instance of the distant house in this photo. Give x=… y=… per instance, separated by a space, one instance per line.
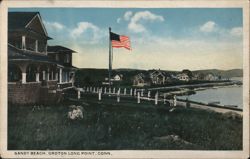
x=195 y=77
x=159 y=77
x=141 y=80
x=210 y=77
x=117 y=77
x=183 y=77
x=37 y=73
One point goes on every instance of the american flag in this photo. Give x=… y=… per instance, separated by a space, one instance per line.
x=119 y=41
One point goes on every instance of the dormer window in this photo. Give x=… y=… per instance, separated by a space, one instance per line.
x=57 y=57
x=67 y=58
x=31 y=44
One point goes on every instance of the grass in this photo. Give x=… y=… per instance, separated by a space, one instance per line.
x=125 y=126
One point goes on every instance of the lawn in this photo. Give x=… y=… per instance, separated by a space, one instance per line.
x=120 y=126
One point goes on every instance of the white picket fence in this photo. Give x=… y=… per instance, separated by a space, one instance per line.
x=139 y=94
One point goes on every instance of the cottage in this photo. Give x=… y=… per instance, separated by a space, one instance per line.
x=37 y=73
x=183 y=77
x=117 y=77
x=159 y=77
x=141 y=80
x=210 y=77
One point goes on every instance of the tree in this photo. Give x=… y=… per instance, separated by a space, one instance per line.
x=188 y=72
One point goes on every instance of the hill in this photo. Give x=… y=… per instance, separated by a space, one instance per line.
x=92 y=76
x=222 y=73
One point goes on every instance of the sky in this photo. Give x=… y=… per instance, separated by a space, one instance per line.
x=161 y=38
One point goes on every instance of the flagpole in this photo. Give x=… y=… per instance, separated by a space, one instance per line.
x=110 y=56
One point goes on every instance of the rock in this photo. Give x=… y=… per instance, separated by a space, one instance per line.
x=76 y=112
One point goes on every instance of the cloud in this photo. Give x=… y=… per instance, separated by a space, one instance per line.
x=54 y=26
x=209 y=26
x=147 y=16
x=236 y=31
x=118 y=20
x=128 y=15
x=83 y=27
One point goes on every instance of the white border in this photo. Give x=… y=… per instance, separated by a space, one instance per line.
x=127 y=4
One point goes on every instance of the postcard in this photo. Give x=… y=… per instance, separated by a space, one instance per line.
x=127 y=79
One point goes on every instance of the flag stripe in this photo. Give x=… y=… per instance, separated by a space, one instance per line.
x=123 y=42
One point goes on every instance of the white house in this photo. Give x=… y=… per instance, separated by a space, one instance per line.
x=183 y=77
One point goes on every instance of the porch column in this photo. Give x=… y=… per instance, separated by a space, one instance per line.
x=23 y=42
x=48 y=76
x=43 y=75
x=52 y=75
x=23 y=77
x=37 y=77
x=56 y=76
x=60 y=76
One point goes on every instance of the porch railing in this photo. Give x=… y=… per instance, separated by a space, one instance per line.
x=65 y=85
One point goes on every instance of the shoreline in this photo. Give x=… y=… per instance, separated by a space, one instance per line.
x=201 y=85
x=216 y=108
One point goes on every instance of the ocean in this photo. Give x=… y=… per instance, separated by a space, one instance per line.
x=230 y=95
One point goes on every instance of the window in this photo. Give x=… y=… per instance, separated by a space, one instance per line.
x=57 y=57
x=67 y=60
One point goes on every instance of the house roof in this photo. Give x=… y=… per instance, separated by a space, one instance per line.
x=144 y=76
x=159 y=72
x=59 y=49
x=20 y=21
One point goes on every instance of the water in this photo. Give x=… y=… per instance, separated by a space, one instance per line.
x=231 y=95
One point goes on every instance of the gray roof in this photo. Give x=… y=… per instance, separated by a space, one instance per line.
x=59 y=49
x=17 y=21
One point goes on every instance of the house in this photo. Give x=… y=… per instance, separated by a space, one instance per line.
x=117 y=77
x=195 y=77
x=183 y=77
x=37 y=73
x=63 y=56
x=141 y=80
x=159 y=77
x=210 y=77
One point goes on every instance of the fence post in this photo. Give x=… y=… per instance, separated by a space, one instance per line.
x=125 y=91
x=175 y=101
x=105 y=90
x=78 y=94
x=99 y=95
x=90 y=89
x=135 y=92
x=94 y=90
x=138 y=97
x=142 y=92
x=114 y=90
x=118 y=95
x=131 y=91
x=164 y=98
x=109 y=90
x=148 y=95
x=156 y=98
